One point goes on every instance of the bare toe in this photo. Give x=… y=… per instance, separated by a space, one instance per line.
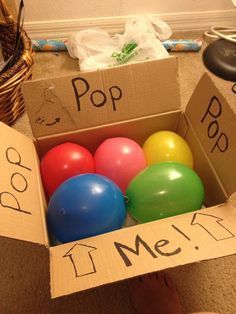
x=154 y=294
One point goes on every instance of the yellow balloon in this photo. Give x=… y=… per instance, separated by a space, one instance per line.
x=167 y=146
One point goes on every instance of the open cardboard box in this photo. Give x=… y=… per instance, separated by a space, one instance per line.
x=134 y=101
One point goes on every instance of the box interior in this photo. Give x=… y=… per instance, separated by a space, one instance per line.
x=128 y=252
x=138 y=130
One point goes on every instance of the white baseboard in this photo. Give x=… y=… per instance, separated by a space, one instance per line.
x=183 y=21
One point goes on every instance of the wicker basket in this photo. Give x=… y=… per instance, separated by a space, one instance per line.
x=11 y=100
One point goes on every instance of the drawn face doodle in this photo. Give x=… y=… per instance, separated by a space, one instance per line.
x=51 y=111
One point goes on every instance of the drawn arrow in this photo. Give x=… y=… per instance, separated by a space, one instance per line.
x=57 y=120
x=81 y=259
x=212 y=225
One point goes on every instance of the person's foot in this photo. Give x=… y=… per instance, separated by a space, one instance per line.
x=154 y=294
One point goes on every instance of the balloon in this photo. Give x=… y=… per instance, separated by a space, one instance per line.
x=167 y=146
x=164 y=190
x=84 y=206
x=120 y=159
x=63 y=162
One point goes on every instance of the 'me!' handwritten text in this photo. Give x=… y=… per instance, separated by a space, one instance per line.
x=18 y=182
x=83 y=258
x=214 y=111
x=98 y=97
x=140 y=242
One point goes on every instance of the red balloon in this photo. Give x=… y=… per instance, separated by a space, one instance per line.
x=119 y=159
x=63 y=162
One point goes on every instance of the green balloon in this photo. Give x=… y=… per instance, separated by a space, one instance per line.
x=164 y=190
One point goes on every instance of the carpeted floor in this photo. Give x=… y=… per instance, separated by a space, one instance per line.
x=205 y=286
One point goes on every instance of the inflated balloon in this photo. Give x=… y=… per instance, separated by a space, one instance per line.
x=167 y=146
x=84 y=206
x=63 y=162
x=120 y=159
x=163 y=190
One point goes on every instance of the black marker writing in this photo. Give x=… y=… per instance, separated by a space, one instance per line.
x=57 y=120
x=81 y=252
x=163 y=243
x=138 y=241
x=212 y=225
x=184 y=235
x=14 y=157
x=98 y=94
x=222 y=143
x=98 y=97
x=19 y=182
x=8 y=200
x=234 y=88
x=116 y=94
x=76 y=90
x=214 y=111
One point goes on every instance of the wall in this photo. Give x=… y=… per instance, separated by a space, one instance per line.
x=44 y=10
x=61 y=18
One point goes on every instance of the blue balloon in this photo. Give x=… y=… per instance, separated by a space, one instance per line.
x=85 y=205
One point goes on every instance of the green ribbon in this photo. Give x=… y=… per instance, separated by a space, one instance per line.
x=126 y=53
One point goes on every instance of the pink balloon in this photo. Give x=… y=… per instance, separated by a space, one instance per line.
x=119 y=159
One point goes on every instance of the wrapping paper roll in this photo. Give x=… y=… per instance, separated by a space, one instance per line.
x=48 y=45
x=55 y=45
x=182 y=44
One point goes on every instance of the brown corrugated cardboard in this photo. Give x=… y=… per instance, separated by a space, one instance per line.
x=96 y=98
x=215 y=125
x=21 y=198
x=150 y=102
x=143 y=249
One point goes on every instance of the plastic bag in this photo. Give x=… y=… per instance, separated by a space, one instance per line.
x=95 y=48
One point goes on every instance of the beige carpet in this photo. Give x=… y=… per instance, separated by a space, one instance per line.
x=205 y=286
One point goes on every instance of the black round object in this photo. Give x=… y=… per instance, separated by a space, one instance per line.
x=220 y=58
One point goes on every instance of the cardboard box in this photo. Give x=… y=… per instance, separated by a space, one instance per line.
x=134 y=101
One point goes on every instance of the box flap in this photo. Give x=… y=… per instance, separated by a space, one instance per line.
x=188 y=238
x=99 y=97
x=215 y=125
x=21 y=202
x=214 y=191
